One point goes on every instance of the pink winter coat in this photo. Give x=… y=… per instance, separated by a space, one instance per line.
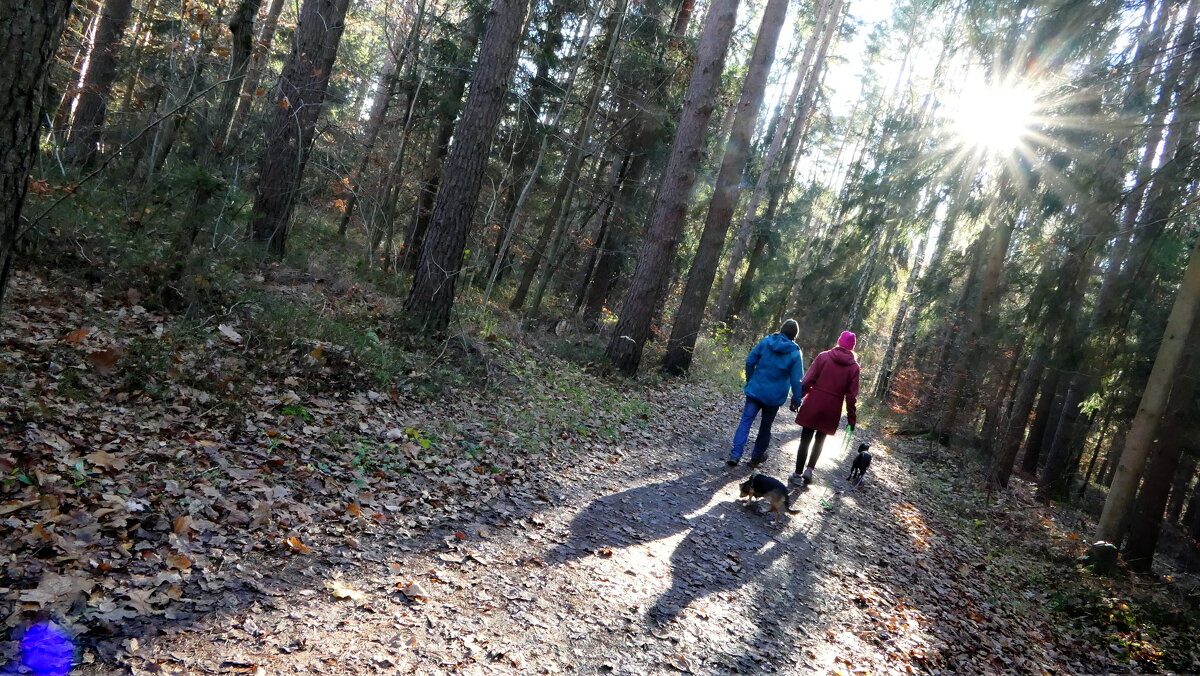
x=832 y=378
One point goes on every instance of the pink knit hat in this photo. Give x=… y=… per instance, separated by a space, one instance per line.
x=847 y=340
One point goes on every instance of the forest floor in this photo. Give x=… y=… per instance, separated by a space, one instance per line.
x=540 y=520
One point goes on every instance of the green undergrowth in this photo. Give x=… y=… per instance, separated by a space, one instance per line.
x=1147 y=623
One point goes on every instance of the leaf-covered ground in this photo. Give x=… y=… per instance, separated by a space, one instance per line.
x=222 y=502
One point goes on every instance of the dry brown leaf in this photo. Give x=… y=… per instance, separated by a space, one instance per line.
x=182 y=525
x=105 y=361
x=106 y=460
x=54 y=587
x=74 y=337
x=16 y=506
x=354 y=510
x=179 y=561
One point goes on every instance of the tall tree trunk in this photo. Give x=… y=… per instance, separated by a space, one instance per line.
x=241 y=29
x=299 y=99
x=87 y=124
x=555 y=223
x=516 y=211
x=758 y=256
x=726 y=191
x=1154 y=399
x=431 y=297
x=997 y=234
x=254 y=69
x=1050 y=392
x=799 y=109
x=1183 y=477
x=435 y=163
x=389 y=76
x=529 y=147
x=29 y=32
x=649 y=282
x=1001 y=465
x=1163 y=464
x=683 y=17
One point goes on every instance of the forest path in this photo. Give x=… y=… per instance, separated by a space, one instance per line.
x=638 y=564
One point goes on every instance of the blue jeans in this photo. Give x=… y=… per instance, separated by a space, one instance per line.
x=749 y=413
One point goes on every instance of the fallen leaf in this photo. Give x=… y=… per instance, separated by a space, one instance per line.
x=414 y=591
x=179 y=561
x=182 y=525
x=105 y=361
x=54 y=587
x=106 y=460
x=354 y=510
x=233 y=336
x=16 y=506
x=680 y=662
x=345 y=592
x=74 y=337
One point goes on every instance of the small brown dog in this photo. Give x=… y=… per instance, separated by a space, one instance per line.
x=770 y=489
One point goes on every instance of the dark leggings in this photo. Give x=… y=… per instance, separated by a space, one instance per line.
x=806 y=436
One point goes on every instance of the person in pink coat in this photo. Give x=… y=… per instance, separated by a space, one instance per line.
x=831 y=380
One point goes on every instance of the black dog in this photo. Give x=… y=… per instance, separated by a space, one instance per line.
x=861 y=462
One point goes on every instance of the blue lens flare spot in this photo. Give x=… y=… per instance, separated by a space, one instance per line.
x=47 y=650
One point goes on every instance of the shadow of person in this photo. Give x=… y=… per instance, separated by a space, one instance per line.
x=642 y=514
x=728 y=546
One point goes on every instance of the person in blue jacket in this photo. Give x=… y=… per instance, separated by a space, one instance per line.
x=773 y=367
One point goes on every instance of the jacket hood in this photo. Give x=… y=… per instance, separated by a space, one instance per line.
x=841 y=355
x=781 y=343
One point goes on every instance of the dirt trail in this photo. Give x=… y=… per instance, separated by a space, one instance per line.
x=644 y=565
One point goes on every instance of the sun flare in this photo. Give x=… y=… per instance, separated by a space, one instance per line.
x=994 y=117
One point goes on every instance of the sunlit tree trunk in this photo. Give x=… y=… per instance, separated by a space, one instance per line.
x=649 y=282
x=431 y=297
x=389 y=76
x=298 y=103
x=87 y=124
x=800 y=106
x=726 y=191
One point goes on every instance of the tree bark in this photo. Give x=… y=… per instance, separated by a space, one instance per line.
x=431 y=297
x=800 y=112
x=87 y=124
x=298 y=102
x=1001 y=465
x=1154 y=399
x=447 y=112
x=254 y=68
x=649 y=282
x=1163 y=464
x=556 y=220
x=726 y=191
x=241 y=29
x=389 y=76
x=29 y=33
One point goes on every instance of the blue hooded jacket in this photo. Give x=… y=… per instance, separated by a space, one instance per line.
x=773 y=367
